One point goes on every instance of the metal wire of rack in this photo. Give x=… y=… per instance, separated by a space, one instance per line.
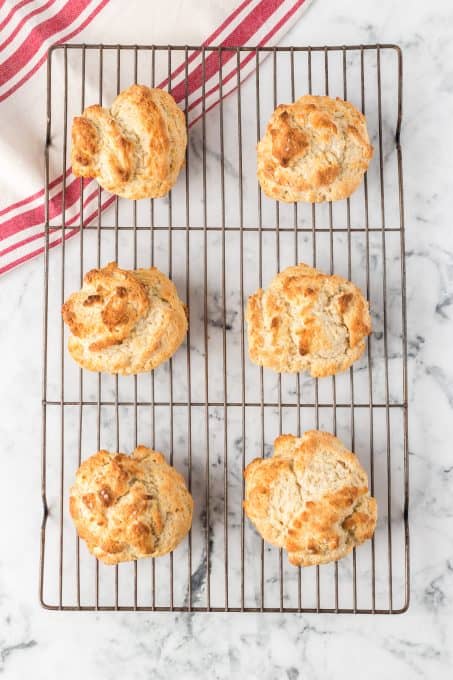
x=208 y=409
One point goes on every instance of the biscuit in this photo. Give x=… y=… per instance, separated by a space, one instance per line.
x=316 y=149
x=311 y=498
x=123 y=321
x=129 y=507
x=136 y=148
x=307 y=321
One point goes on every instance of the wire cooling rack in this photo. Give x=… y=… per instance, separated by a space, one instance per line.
x=209 y=409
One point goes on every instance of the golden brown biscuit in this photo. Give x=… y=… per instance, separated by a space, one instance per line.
x=134 y=149
x=123 y=321
x=316 y=149
x=311 y=498
x=307 y=321
x=129 y=507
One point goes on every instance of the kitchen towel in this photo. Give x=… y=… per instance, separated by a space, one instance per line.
x=29 y=27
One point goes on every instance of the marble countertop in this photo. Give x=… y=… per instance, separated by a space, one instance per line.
x=417 y=644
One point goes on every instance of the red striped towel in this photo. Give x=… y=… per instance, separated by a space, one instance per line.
x=29 y=27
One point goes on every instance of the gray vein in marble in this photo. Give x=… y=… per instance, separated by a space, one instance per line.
x=442 y=380
x=196 y=145
x=8 y=650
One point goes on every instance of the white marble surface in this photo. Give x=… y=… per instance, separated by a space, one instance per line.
x=416 y=644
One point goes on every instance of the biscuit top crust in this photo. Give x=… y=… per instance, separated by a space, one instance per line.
x=110 y=304
x=307 y=320
x=314 y=149
x=127 y=507
x=310 y=498
x=134 y=149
